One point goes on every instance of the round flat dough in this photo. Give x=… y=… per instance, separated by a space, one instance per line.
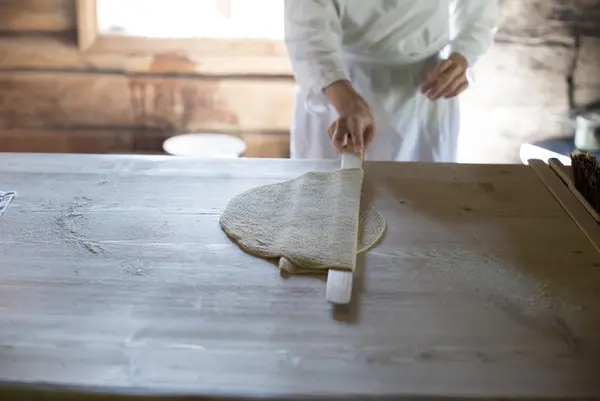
x=310 y=222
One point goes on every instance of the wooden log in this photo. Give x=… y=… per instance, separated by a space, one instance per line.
x=67 y=141
x=60 y=53
x=275 y=145
x=37 y=15
x=71 y=100
x=222 y=47
x=98 y=141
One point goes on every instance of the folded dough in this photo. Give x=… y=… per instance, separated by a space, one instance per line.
x=310 y=222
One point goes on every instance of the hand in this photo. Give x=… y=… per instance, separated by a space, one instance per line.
x=357 y=125
x=355 y=120
x=448 y=79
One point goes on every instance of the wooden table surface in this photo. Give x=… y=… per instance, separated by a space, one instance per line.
x=115 y=275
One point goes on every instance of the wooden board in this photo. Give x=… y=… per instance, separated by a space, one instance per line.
x=67 y=141
x=59 y=100
x=37 y=15
x=220 y=47
x=115 y=273
x=568 y=200
x=102 y=141
x=339 y=283
x=61 y=53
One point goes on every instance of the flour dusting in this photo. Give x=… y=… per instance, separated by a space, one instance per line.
x=5 y=199
x=69 y=221
x=547 y=300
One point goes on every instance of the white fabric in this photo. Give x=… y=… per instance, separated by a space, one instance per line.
x=383 y=47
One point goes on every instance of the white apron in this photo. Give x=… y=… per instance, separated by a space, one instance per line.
x=408 y=126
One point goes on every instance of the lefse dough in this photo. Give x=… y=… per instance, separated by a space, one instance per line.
x=310 y=222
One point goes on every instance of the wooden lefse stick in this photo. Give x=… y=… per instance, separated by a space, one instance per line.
x=339 y=283
x=568 y=201
x=564 y=175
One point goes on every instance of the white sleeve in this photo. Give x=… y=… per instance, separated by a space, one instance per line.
x=313 y=40
x=476 y=22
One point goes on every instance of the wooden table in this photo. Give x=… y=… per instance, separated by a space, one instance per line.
x=115 y=277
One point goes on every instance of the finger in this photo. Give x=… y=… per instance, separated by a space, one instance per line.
x=332 y=133
x=336 y=136
x=346 y=141
x=429 y=81
x=453 y=87
x=434 y=74
x=449 y=88
x=450 y=65
x=357 y=140
x=338 y=140
x=442 y=67
x=368 y=137
x=461 y=88
x=444 y=82
x=354 y=135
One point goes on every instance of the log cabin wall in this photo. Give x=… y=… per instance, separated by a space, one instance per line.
x=54 y=98
x=546 y=60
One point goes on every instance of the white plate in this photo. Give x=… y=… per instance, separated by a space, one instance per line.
x=205 y=145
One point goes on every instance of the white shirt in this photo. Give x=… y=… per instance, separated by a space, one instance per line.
x=320 y=34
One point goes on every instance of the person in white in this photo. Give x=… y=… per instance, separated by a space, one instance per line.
x=375 y=71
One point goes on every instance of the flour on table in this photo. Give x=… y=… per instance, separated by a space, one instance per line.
x=5 y=199
x=310 y=222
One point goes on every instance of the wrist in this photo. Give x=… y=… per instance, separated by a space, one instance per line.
x=459 y=59
x=342 y=96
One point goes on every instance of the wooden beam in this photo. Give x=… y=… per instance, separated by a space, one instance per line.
x=102 y=141
x=45 y=53
x=66 y=141
x=267 y=145
x=37 y=15
x=118 y=44
x=46 y=99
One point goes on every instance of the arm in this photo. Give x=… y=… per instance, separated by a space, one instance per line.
x=476 y=21
x=313 y=40
x=313 y=36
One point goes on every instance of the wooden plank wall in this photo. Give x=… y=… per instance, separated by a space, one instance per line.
x=54 y=98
